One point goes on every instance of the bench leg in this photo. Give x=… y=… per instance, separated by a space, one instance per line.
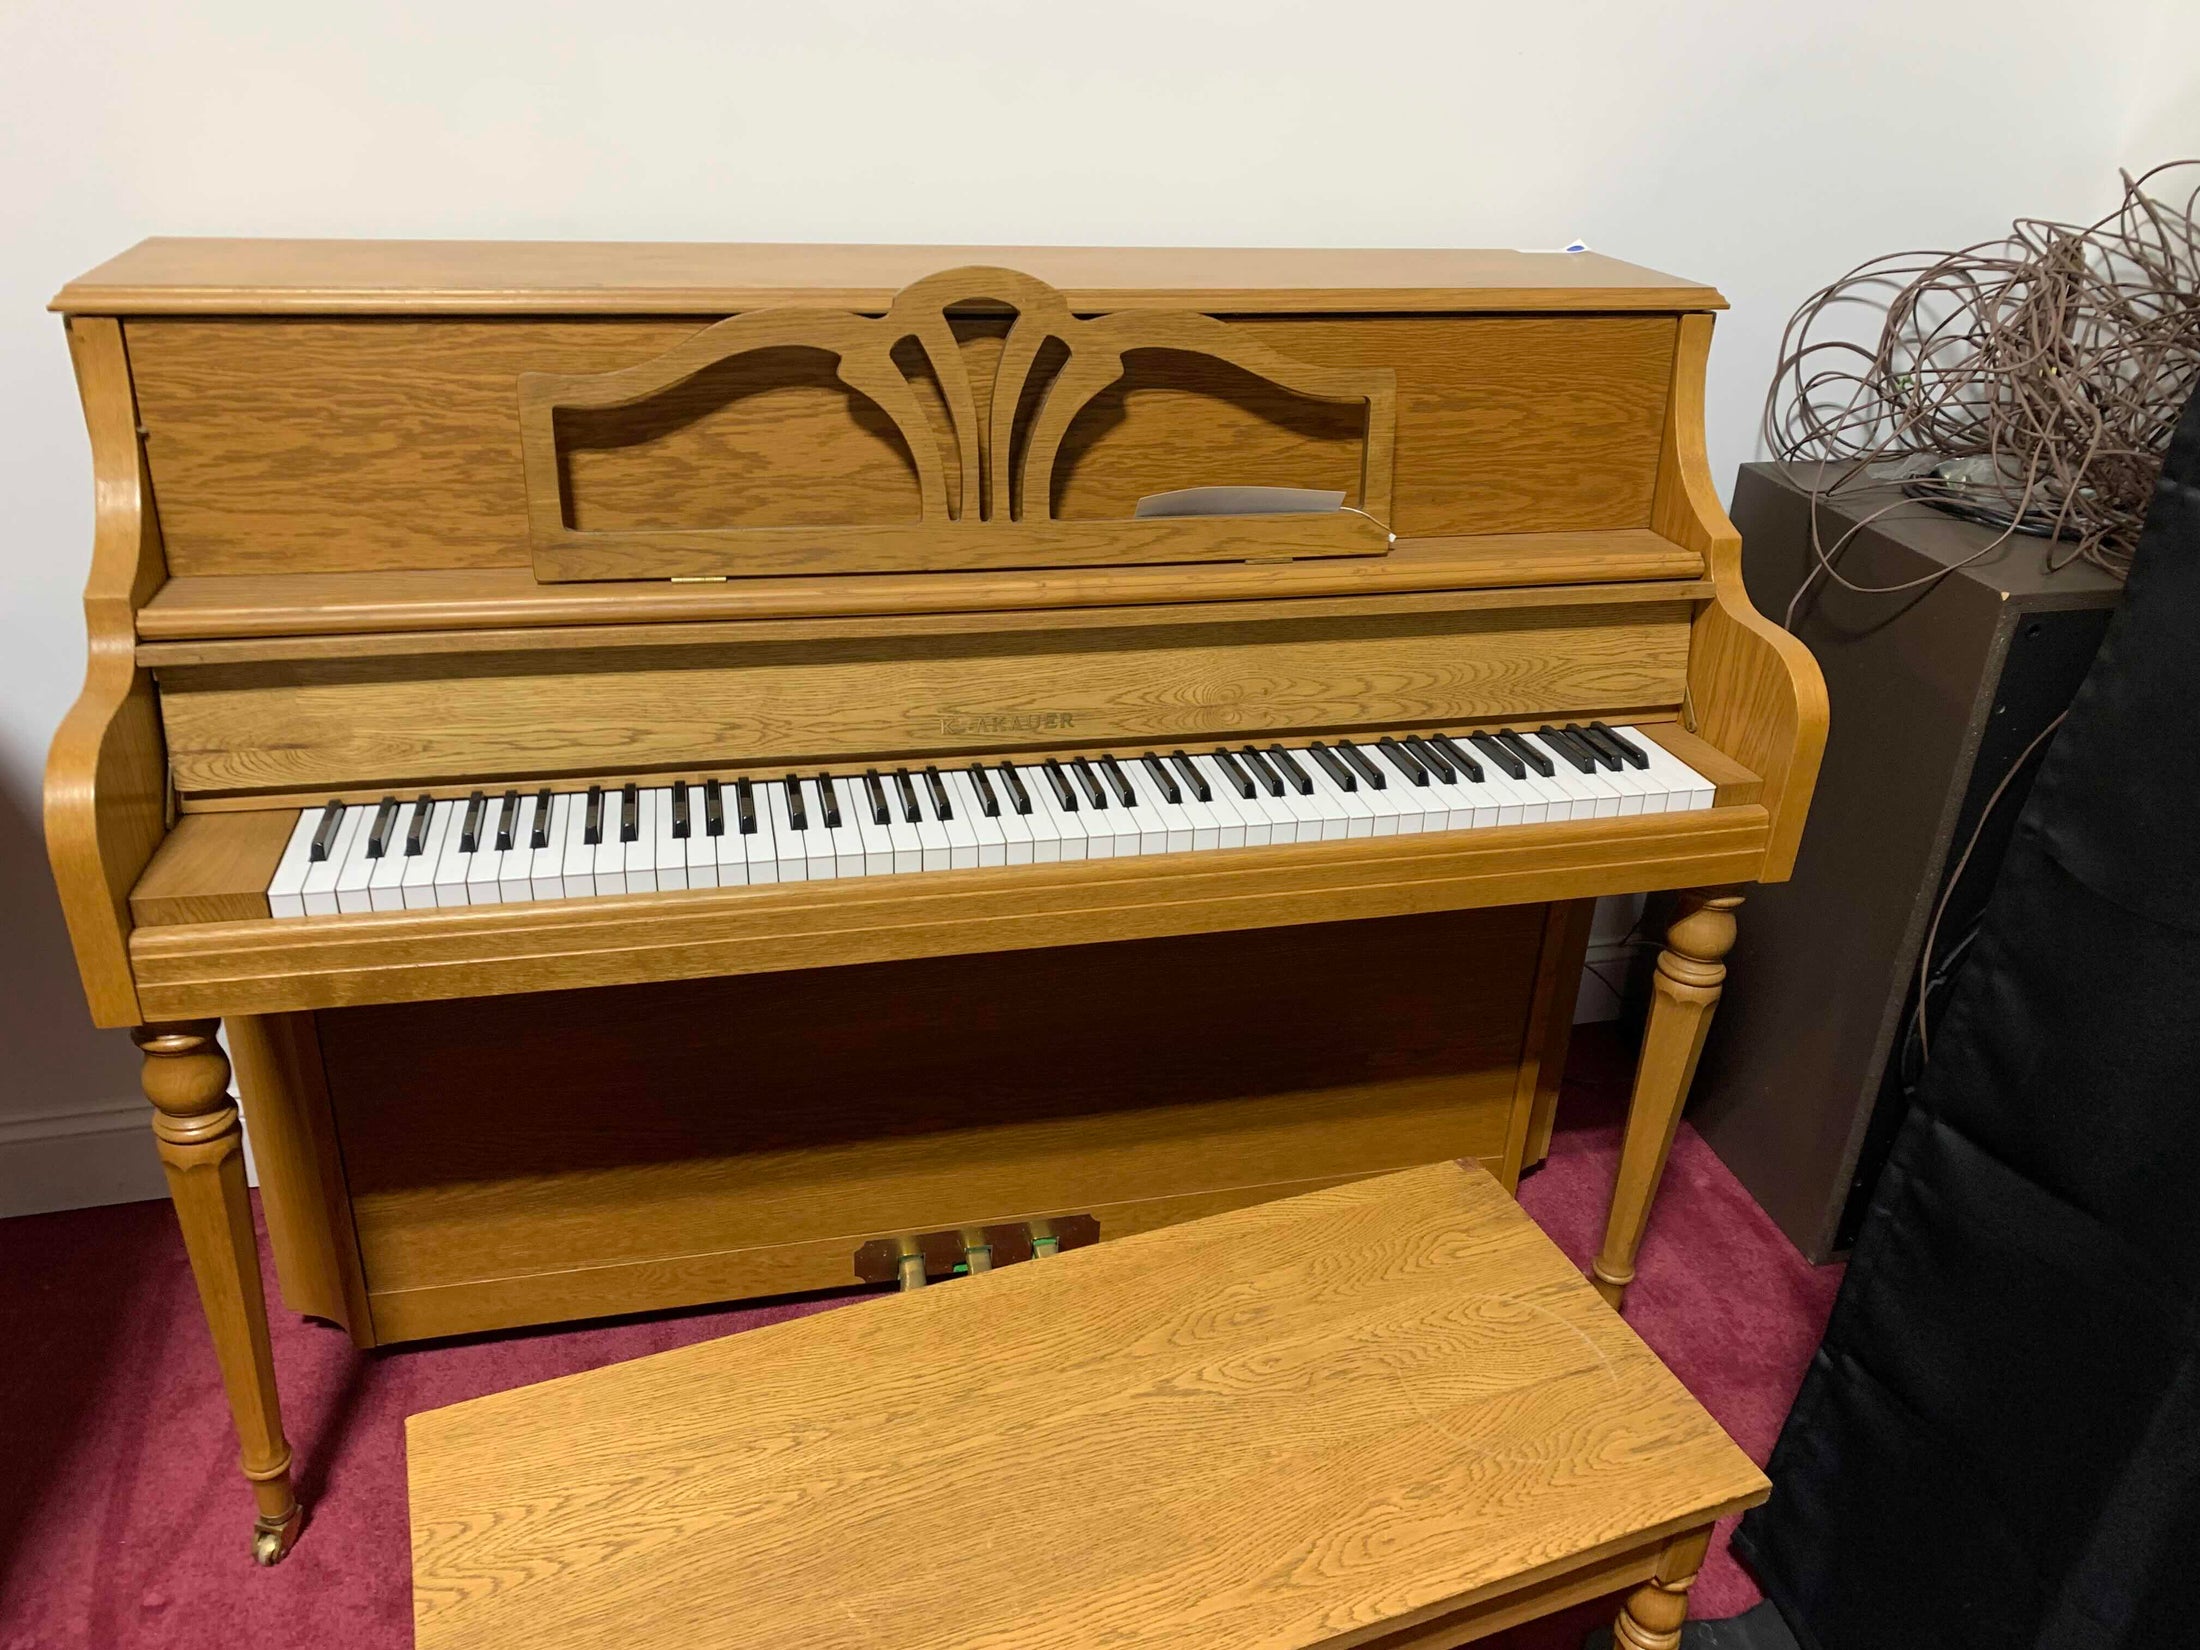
x=1690 y=974
x=202 y=1149
x=1654 y=1613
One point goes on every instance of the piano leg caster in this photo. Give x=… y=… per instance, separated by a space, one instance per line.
x=1691 y=973
x=195 y=1126
x=272 y=1541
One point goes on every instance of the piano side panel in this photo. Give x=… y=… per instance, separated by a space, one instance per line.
x=302 y=726
x=389 y=444
x=529 y=1158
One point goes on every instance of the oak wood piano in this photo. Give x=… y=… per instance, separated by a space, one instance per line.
x=688 y=773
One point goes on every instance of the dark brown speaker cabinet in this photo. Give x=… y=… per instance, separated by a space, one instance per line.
x=1936 y=692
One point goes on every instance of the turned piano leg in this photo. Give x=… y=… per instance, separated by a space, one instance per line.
x=1655 y=1612
x=1690 y=973
x=202 y=1149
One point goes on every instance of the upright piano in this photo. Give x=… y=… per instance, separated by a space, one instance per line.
x=691 y=772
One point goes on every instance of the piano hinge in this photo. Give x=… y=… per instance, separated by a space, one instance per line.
x=699 y=578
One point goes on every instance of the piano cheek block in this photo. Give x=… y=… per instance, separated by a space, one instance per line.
x=944 y=677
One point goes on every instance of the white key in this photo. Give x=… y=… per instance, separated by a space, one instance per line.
x=484 y=871
x=358 y=870
x=812 y=841
x=1425 y=796
x=668 y=860
x=286 y=891
x=759 y=847
x=418 y=883
x=578 y=872
x=1560 y=799
x=1049 y=819
x=1283 y=824
x=1639 y=794
x=699 y=848
x=729 y=854
x=1038 y=822
x=547 y=874
x=986 y=828
x=386 y=887
x=641 y=853
x=1595 y=784
x=789 y=847
x=516 y=876
x=849 y=858
x=1144 y=810
x=608 y=852
x=901 y=830
x=877 y=839
x=1092 y=840
x=1110 y=831
x=1389 y=798
x=319 y=890
x=936 y=852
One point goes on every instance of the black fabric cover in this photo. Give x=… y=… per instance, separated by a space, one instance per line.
x=1998 y=1442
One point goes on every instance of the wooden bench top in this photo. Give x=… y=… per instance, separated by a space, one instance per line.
x=1389 y=1412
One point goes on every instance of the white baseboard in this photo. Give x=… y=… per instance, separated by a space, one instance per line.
x=78 y=1159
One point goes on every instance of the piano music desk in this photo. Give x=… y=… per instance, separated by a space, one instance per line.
x=413 y=519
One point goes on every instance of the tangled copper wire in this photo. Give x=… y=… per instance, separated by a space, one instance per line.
x=2030 y=383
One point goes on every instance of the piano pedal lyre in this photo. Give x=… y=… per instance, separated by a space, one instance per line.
x=913 y=1259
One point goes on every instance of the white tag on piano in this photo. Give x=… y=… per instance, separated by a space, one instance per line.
x=1239 y=501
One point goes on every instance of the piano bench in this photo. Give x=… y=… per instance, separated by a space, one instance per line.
x=1389 y=1413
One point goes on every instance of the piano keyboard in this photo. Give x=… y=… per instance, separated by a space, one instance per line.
x=546 y=844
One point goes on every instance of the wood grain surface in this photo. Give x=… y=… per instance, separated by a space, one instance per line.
x=311 y=725
x=486 y=602
x=770 y=1124
x=174 y=275
x=1307 y=1423
x=331 y=446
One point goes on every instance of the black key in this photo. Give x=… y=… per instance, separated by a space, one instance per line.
x=681 y=824
x=508 y=822
x=1431 y=758
x=828 y=801
x=592 y=834
x=630 y=813
x=1527 y=753
x=1459 y=757
x=988 y=803
x=1270 y=781
x=416 y=833
x=714 y=808
x=1161 y=777
x=1402 y=759
x=904 y=784
x=1334 y=766
x=540 y=836
x=797 y=815
x=1361 y=765
x=469 y=831
x=1571 y=749
x=1606 y=758
x=938 y=787
x=875 y=793
x=1018 y=797
x=378 y=834
x=1192 y=776
x=1118 y=781
x=1088 y=782
x=1287 y=765
x=1629 y=752
x=1507 y=764
x=1234 y=774
x=744 y=807
x=324 y=834
x=1062 y=793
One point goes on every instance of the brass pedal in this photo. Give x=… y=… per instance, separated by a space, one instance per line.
x=914 y=1259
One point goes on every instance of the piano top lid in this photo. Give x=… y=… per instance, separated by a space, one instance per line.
x=204 y=276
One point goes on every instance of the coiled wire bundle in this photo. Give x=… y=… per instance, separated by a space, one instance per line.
x=2030 y=382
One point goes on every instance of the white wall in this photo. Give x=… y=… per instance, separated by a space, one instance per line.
x=1759 y=144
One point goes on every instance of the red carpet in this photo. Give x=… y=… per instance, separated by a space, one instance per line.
x=123 y=1520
